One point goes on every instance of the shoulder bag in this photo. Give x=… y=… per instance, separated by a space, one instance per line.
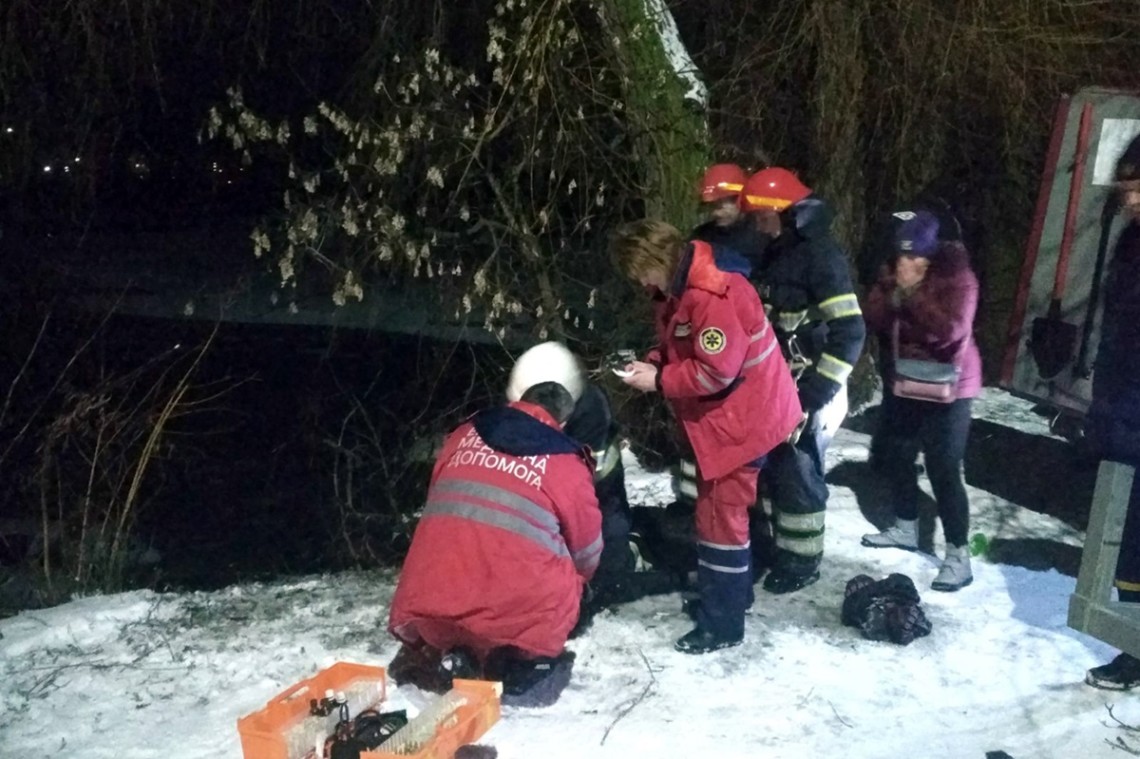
x=922 y=380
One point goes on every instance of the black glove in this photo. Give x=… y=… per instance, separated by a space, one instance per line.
x=815 y=392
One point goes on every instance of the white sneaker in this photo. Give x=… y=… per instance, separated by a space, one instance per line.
x=955 y=573
x=902 y=534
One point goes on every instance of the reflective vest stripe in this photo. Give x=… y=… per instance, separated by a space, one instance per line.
x=723 y=558
x=812 y=522
x=711 y=381
x=499 y=496
x=763 y=354
x=588 y=557
x=488 y=515
x=834 y=369
x=607 y=461
x=840 y=306
x=721 y=568
x=809 y=546
x=800 y=533
x=706 y=383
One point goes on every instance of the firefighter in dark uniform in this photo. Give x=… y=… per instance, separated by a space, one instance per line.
x=725 y=224
x=804 y=280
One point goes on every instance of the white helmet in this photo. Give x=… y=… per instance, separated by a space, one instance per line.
x=546 y=362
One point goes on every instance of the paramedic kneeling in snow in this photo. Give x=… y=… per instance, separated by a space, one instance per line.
x=718 y=364
x=510 y=535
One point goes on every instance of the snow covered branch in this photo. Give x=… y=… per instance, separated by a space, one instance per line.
x=676 y=52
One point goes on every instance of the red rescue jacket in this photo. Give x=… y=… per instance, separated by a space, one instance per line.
x=509 y=536
x=721 y=366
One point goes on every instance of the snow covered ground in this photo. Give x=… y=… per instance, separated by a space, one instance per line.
x=143 y=674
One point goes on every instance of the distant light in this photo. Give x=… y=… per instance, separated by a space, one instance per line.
x=47 y=169
x=66 y=169
x=77 y=159
x=9 y=130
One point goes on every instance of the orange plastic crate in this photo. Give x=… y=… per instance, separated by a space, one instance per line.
x=264 y=734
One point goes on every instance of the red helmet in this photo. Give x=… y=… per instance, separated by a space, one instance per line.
x=722 y=180
x=772 y=189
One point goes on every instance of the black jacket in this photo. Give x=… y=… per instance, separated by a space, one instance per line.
x=804 y=279
x=740 y=236
x=593 y=425
x=1113 y=422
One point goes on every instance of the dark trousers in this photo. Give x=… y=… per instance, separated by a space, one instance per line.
x=940 y=431
x=617 y=522
x=724 y=577
x=617 y=580
x=793 y=478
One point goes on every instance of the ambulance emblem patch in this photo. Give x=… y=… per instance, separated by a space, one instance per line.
x=712 y=340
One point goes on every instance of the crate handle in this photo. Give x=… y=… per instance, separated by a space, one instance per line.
x=296 y=694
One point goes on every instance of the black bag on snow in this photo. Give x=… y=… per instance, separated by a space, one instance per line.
x=888 y=609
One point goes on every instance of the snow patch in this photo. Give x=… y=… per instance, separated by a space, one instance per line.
x=144 y=674
x=676 y=51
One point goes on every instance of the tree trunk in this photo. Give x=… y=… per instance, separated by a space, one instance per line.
x=838 y=97
x=665 y=102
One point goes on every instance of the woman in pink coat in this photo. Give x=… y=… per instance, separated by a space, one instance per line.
x=927 y=296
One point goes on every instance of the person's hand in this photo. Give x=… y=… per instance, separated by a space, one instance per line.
x=909 y=271
x=816 y=391
x=643 y=376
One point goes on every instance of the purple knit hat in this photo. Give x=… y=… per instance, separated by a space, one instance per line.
x=918 y=235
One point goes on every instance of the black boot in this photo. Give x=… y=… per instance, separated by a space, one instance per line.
x=420 y=666
x=1122 y=673
x=460 y=663
x=700 y=641
x=792 y=572
x=763 y=542
x=780 y=581
x=532 y=682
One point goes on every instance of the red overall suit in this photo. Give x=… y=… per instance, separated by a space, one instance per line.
x=724 y=375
